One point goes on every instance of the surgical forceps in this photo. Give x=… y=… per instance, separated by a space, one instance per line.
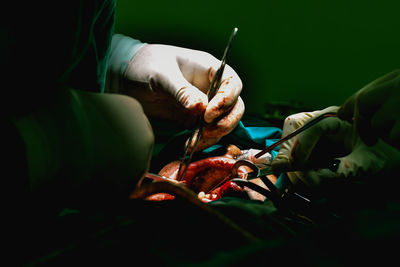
x=215 y=84
x=286 y=199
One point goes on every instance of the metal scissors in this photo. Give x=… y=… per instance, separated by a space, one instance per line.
x=215 y=84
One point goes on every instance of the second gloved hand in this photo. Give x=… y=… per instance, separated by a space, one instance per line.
x=308 y=157
x=177 y=81
x=374 y=110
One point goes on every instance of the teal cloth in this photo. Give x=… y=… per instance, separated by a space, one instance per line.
x=261 y=135
x=267 y=136
x=252 y=137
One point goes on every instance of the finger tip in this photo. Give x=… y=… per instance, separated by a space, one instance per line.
x=198 y=108
x=192 y=100
x=210 y=115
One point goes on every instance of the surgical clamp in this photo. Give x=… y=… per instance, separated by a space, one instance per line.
x=286 y=199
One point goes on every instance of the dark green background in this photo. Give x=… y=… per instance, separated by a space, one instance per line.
x=313 y=52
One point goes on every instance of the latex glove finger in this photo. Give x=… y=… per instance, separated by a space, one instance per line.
x=226 y=96
x=227 y=123
x=291 y=124
x=200 y=68
x=171 y=80
x=214 y=132
x=192 y=99
x=158 y=65
x=205 y=143
x=329 y=138
x=295 y=153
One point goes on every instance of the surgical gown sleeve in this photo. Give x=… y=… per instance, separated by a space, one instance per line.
x=123 y=49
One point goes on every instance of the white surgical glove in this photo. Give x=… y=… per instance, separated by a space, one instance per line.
x=307 y=156
x=176 y=83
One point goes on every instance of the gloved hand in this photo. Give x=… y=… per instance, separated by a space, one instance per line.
x=177 y=82
x=308 y=157
x=375 y=110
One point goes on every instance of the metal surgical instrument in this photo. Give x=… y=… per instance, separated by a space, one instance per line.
x=196 y=135
x=286 y=198
x=304 y=127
